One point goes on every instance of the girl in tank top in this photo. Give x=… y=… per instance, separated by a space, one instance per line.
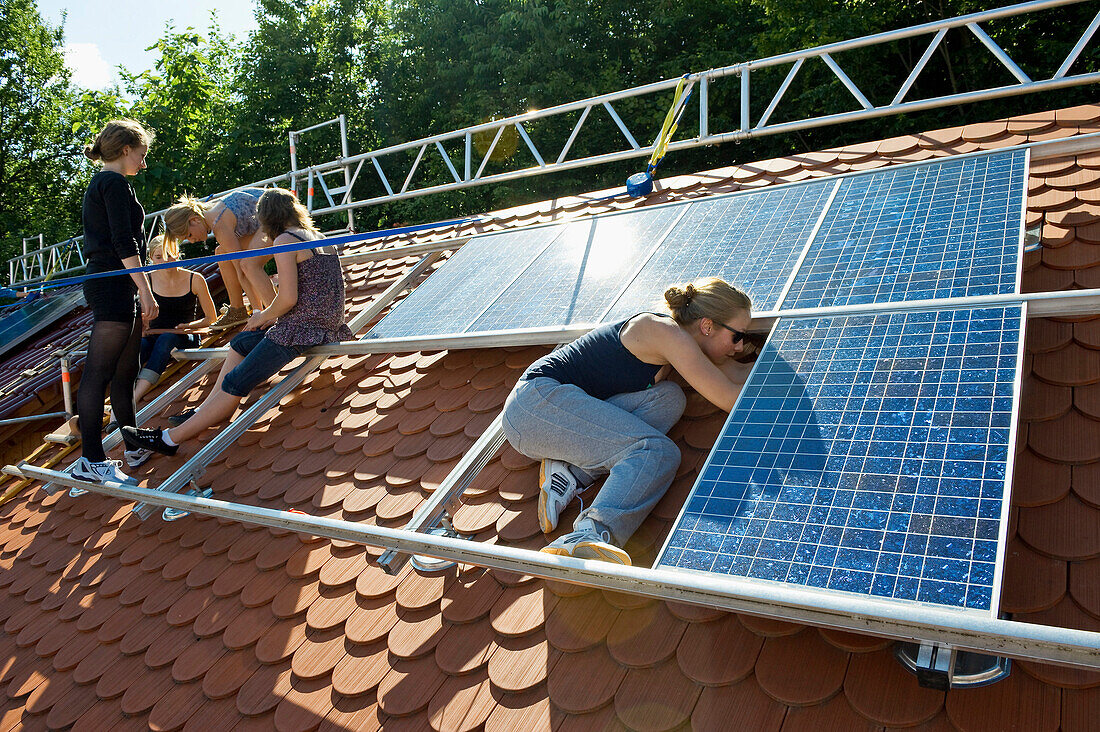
x=307 y=312
x=602 y=405
x=179 y=292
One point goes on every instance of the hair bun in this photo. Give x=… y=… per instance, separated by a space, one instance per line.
x=91 y=152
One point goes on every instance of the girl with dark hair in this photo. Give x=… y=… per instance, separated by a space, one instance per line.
x=602 y=405
x=307 y=311
x=113 y=240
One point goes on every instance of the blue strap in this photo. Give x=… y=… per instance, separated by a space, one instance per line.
x=266 y=251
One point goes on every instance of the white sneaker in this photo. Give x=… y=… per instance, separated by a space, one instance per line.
x=85 y=469
x=135 y=458
x=557 y=487
x=588 y=543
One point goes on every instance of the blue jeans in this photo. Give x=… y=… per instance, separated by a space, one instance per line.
x=156 y=353
x=623 y=437
x=262 y=359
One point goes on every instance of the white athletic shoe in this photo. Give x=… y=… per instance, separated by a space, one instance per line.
x=557 y=487
x=135 y=458
x=85 y=469
x=588 y=543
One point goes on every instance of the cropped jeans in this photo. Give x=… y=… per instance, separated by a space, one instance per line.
x=156 y=352
x=623 y=437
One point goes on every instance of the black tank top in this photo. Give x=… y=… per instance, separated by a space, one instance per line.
x=175 y=310
x=597 y=362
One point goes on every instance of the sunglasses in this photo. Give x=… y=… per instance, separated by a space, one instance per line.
x=738 y=335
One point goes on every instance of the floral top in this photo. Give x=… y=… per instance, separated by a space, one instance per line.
x=318 y=316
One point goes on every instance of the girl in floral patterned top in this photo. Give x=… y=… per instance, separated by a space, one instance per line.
x=307 y=311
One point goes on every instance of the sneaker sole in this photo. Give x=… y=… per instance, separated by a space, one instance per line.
x=140 y=462
x=600 y=552
x=227 y=326
x=544 y=521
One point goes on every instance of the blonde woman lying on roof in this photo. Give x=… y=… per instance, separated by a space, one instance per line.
x=603 y=404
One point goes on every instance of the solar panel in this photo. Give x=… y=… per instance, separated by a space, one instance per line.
x=751 y=240
x=450 y=299
x=943 y=229
x=576 y=279
x=867 y=454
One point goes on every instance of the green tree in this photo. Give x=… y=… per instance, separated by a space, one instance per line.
x=38 y=151
x=186 y=99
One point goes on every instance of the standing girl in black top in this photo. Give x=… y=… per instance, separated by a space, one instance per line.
x=113 y=240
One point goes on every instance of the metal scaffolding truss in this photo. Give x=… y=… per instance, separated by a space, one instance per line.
x=55 y=260
x=466 y=153
x=398 y=178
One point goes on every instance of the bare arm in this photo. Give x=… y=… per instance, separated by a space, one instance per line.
x=286 y=297
x=210 y=313
x=669 y=342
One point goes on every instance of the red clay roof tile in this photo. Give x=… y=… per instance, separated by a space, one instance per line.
x=409 y=686
x=657 y=698
x=584 y=681
x=1017 y=702
x=519 y=664
x=578 y=623
x=741 y=649
x=361 y=669
x=1068 y=529
x=264 y=689
x=462 y=704
x=465 y=648
x=1037 y=482
x=645 y=636
x=779 y=669
x=521 y=610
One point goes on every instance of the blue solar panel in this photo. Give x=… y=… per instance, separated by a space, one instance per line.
x=576 y=279
x=752 y=240
x=449 y=300
x=944 y=229
x=867 y=454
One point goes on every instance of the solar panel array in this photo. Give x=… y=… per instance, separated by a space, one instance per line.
x=866 y=454
x=949 y=229
x=869 y=453
x=934 y=230
x=576 y=279
x=751 y=240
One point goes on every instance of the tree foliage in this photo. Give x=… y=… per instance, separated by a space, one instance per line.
x=404 y=69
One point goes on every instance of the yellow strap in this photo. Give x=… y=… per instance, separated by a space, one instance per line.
x=668 y=129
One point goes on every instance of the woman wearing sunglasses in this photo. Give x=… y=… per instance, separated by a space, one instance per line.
x=603 y=404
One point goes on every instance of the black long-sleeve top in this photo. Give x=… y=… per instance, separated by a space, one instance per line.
x=113 y=221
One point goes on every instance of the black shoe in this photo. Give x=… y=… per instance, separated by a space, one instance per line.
x=177 y=419
x=146 y=439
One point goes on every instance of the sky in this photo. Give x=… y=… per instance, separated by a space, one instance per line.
x=101 y=35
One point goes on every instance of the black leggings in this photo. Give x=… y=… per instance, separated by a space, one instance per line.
x=112 y=359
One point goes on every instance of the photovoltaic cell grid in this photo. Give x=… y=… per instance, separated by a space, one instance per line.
x=449 y=300
x=946 y=229
x=576 y=279
x=867 y=454
x=752 y=240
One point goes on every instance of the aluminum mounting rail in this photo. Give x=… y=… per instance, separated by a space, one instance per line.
x=448 y=492
x=960 y=629
x=1062 y=303
x=156 y=406
x=196 y=464
x=463 y=142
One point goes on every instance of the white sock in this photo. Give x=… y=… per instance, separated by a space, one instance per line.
x=167 y=439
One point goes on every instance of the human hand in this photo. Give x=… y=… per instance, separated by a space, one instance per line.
x=149 y=308
x=257 y=321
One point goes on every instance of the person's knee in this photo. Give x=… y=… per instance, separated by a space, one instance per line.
x=672 y=398
x=667 y=453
